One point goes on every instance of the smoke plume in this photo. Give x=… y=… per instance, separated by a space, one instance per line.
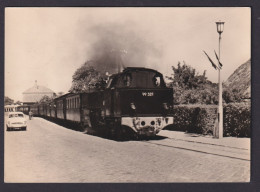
x=115 y=44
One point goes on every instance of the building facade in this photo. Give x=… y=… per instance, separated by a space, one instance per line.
x=35 y=93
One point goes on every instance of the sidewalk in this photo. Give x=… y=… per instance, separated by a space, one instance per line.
x=227 y=146
x=225 y=141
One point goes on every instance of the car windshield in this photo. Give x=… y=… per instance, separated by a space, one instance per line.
x=15 y=115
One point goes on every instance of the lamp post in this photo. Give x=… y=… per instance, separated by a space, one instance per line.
x=219 y=131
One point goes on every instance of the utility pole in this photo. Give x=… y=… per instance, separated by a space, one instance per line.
x=219 y=127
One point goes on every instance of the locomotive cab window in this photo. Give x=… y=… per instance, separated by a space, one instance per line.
x=137 y=79
x=127 y=80
x=157 y=81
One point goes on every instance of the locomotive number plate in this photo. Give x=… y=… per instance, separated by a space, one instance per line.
x=147 y=94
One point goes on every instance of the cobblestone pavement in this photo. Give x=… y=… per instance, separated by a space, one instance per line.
x=49 y=153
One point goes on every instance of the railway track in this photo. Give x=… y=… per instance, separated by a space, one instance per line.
x=201 y=147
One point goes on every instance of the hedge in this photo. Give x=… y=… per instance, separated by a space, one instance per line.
x=237 y=119
x=201 y=119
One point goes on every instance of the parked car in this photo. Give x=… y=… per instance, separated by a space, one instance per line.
x=16 y=120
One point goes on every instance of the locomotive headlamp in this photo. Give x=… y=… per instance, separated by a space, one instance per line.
x=132 y=105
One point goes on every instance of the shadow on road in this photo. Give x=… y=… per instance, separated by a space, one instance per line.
x=66 y=124
x=122 y=138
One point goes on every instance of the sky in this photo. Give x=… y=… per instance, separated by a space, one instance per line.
x=49 y=44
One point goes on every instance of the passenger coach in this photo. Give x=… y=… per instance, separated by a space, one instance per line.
x=135 y=101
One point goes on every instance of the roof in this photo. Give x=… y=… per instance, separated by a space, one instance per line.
x=12 y=105
x=131 y=69
x=139 y=69
x=17 y=112
x=34 y=97
x=62 y=96
x=38 y=89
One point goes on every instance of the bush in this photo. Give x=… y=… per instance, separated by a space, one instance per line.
x=194 y=118
x=201 y=119
x=237 y=119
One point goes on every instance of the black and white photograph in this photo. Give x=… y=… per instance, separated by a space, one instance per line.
x=127 y=95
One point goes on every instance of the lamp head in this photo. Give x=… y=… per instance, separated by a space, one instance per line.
x=220 y=27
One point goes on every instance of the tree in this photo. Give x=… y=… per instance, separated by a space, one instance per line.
x=86 y=78
x=190 y=87
x=186 y=77
x=230 y=96
x=8 y=101
x=18 y=102
x=46 y=99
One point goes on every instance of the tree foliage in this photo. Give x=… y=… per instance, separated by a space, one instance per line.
x=46 y=99
x=86 y=78
x=190 y=87
x=186 y=77
x=18 y=103
x=8 y=101
x=232 y=96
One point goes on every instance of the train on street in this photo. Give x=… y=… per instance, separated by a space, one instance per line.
x=135 y=101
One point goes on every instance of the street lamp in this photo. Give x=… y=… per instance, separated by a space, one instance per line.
x=219 y=131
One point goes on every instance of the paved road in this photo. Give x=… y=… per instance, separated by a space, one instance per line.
x=49 y=153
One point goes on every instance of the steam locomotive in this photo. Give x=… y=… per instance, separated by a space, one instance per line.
x=135 y=101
